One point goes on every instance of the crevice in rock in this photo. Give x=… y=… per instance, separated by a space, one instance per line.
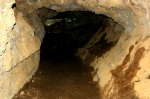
x=13 y=6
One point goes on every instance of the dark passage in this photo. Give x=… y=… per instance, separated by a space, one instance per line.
x=61 y=75
x=68 y=31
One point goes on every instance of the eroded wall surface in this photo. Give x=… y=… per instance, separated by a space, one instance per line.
x=19 y=49
x=121 y=71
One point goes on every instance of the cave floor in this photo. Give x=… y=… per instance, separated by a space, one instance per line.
x=64 y=78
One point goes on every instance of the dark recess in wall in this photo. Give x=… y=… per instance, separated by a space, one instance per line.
x=13 y=6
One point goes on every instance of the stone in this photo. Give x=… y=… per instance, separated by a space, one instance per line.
x=22 y=93
x=32 y=81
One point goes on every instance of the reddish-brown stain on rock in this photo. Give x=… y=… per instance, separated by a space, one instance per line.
x=122 y=79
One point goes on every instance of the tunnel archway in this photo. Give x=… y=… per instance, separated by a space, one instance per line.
x=68 y=31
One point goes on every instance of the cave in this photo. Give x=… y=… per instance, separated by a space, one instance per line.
x=68 y=31
x=110 y=39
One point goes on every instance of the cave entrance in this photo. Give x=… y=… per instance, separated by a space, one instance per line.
x=68 y=31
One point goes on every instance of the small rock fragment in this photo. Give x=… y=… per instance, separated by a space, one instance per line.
x=32 y=81
x=95 y=78
x=21 y=93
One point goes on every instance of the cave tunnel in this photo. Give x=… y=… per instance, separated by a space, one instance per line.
x=66 y=33
x=74 y=49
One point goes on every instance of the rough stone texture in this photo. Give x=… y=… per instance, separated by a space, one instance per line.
x=109 y=32
x=7 y=20
x=18 y=49
x=130 y=66
x=12 y=81
x=129 y=56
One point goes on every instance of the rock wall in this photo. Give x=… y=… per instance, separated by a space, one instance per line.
x=122 y=71
x=19 y=49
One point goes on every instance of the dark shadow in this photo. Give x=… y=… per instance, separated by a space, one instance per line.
x=67 y=31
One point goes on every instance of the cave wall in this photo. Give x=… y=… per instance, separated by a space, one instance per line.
x=19 y=49
x=122 y=71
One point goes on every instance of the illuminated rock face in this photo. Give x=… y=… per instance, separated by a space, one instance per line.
x=121 y=71
x=19 y=49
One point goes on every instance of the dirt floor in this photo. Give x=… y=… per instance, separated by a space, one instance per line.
x=64 y=78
